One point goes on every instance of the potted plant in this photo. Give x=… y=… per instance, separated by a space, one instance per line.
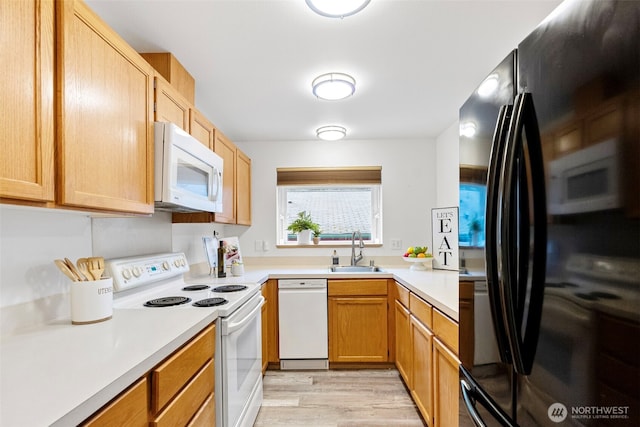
x=303 y=226
x=316 y=235
x=475 y=227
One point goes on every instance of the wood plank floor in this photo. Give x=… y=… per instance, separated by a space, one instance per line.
x=337 y=398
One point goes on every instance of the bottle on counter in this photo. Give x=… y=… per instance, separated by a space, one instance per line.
x=335 y=259
x=221 y=272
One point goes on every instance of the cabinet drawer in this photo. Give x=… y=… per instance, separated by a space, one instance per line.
x=357 y=287
x=189 y=400
x=128 y=409
x=174 y=373
x=421 y=310
x=446 y=329
x=402 y=295
x=206 y=415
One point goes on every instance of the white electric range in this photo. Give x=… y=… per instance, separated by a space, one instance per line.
x=157 y=282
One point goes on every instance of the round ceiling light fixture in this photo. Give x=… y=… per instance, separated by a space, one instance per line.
x=333 y=86
x=337 y=8
x=331 y=133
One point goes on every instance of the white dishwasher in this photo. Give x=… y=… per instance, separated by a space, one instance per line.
x=302 y=314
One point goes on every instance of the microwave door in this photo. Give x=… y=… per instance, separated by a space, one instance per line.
x=190 y=181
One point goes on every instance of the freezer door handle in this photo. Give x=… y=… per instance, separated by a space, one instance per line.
x=522 y=289
x=491 y=252
x=473 y=394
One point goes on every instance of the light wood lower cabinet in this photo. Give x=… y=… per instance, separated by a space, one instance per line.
x=432 y=349
x=446 y=385
x=179 y=391
x=358 y=330
x=422 y=373
x=129 y=409
x=404 y=353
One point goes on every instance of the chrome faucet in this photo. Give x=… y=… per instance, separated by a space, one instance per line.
x=355 y=259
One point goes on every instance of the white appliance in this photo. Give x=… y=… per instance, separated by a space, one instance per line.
x=188 y=175
x=585 y=181
x=302 y=314
x=158 y=281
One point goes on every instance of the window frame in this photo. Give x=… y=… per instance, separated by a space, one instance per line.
x=355 y=177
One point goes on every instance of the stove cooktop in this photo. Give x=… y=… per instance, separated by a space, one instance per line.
x=157 y=282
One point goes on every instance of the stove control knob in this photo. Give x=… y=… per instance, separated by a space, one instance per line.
x=137 y=271
x=177 y=263
x=126 y=273
x=165 y=265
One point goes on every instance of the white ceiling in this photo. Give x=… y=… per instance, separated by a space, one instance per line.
x=415 y=61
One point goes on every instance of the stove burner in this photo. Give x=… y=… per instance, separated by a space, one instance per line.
x=167 y=301
x=230 y=288
x=210 y=302
x=195 y=288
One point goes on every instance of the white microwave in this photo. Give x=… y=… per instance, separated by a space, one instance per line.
x=188 y=175
x=585 y=181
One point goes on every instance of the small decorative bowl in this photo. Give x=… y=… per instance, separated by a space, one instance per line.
x=418 y=264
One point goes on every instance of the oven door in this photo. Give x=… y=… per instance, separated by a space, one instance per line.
x=239 y=365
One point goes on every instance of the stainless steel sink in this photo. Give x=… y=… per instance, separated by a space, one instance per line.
x=355 y=269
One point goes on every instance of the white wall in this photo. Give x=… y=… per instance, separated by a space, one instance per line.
x=408 y=189
x=447 y=167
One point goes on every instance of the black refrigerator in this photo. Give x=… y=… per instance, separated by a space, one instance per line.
x=562 y=225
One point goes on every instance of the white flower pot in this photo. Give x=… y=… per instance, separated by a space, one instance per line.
x=304 y=237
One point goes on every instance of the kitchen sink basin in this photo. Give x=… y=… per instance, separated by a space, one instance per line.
x=355 y=269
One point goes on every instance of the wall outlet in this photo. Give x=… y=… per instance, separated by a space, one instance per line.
x=396 y=244
x=257 y=246
x=266 y=246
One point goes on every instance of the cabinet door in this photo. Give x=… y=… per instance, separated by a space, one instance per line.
x=403 y=342
x=129 y=409
x=446 y=380
x=358 y=329
x=26 y=110
x=227 y=150
x=170 y=105
x=201 y=128
x=243 y=189
x=105 y=132
x=422 y=369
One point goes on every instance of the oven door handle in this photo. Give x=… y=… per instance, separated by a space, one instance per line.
x=235 y=325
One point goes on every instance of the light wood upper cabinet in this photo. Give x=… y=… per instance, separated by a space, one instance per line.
x=227 y=150
x=26 y=110
x=170 y=105
x=201 y=128
x=243 y=189
x=105 y=133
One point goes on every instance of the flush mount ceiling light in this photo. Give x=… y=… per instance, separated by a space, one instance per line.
x=331 y=133
x=333 y=86
x=337 y=8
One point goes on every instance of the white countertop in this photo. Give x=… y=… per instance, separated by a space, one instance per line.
x=59 y=374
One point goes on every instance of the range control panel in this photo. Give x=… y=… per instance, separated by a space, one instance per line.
x=131 y=272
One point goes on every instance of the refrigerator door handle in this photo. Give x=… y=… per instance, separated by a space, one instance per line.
x=472 y=395
x=491 y=237
x=515 y=228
